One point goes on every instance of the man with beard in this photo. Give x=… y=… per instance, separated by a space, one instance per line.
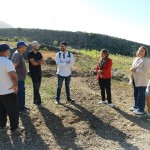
x=35 y=59
x=64 y=61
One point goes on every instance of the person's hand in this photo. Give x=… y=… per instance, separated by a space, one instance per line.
x=99 y=72
x=133 y=70
x=15 y=88
x=68 y=62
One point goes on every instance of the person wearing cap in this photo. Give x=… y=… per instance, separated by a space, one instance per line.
x=20 y=66
x=35 y=59
x=8 y=91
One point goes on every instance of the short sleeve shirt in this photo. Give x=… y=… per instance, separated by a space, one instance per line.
x=6 y=66
x=37 y=57
x=21 y=70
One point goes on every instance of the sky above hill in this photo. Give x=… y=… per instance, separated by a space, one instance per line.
x=128 y=19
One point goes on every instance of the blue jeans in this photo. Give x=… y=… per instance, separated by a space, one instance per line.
x=139 y=98
x=67 y=86
x=21 y=95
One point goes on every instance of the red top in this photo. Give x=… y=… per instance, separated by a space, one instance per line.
x=106 y=74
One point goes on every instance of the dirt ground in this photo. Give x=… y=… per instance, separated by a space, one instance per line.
x=82 y=126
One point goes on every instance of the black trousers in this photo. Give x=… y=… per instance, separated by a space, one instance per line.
x=9 y=106
x=105 y=86
x=36 y=80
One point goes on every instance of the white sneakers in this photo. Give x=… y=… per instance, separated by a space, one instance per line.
x=111 y=105
x=136 y=112
x=104 y=102
x=132 y=109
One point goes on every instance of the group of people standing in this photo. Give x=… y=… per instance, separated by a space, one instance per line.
x=139 y=80
x=13 y=74
x=12 y=82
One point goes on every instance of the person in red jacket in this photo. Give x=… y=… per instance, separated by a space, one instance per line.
x=103 y=70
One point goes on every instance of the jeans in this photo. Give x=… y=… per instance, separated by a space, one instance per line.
x=9 y=106
x=21 y=95
x=139 y=98
x=36 y=79
x=67 y=86
x=105 y=85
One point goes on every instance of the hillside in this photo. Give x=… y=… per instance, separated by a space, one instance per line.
x=5 y=25
x=77 y=40
x=85 y=125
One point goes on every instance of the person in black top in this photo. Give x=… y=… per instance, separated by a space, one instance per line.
x=35 y=59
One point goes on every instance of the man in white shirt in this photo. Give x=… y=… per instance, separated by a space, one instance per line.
x=8 y=91
x=64 y=61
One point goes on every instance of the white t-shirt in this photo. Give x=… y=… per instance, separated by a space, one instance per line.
x=5 y=82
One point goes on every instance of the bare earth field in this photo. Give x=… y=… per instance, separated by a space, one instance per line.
x=82 y=126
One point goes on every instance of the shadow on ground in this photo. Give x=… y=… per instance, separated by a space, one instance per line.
x=102 y=129
x=64 y=136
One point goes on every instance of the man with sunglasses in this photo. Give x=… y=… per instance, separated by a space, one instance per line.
x=64 y=61
x=35 y=59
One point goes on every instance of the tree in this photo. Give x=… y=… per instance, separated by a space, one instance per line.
x=55 y=42
x=16 y=39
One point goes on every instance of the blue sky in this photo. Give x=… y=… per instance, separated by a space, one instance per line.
x=128 y=19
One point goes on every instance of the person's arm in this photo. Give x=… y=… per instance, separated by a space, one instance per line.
x=71 y=60
x=145 y=68
x=14 y=79
x=33 y=62
x=16 y=59
x=42 y=61
x=97 y=67
x=98 y=71
x=15 y=65
x=13 y=76
x=59 y=62
x=109 y=66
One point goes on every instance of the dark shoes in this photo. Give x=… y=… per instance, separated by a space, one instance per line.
x=68 y=100
x=72 y=101
x=24 y=112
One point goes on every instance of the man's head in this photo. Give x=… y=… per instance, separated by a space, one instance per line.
x=4 y=50
x=63 y=46
x=21 y=46
x=35 y=45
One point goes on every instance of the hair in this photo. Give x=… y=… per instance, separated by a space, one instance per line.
x=105 y=52
x=142 y=47
x=63 y=43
